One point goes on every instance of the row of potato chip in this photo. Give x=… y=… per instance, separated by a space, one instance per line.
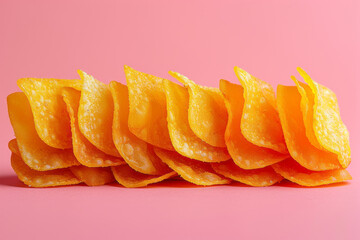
x=73 y=131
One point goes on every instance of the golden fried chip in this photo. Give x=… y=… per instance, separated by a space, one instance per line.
x=93 y=176
x=307 y=106
x=35 y=153
x=137 y=153
x=183 y=138
x=130 y=178
x=14 y=148
x=261 y=177
x=207 y=112
x=51 y=121
x=86 y=153
x=300 y=148
x=33 y=178
x=199 y=173
x=245 y=154
x=294 y=172
x=96 y=114
x=260 y=122
x=147 y=114
x=329 y=129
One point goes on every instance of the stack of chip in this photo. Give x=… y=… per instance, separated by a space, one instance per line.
x=84 y=131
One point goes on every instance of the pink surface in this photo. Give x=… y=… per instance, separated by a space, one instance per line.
x=203 y=40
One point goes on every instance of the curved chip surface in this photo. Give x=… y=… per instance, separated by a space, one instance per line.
x=183 y=138
x=260 y=123
x=34 y=152
x=85 y=152
x=244 y=153
x=95 y=115
x=196 y=172
x=261 y=177
x=137 y=153
x=33 y=178
x=207 y=111
x=300 y=148
x=49 y=111
x=294 y=172
x=147 y=112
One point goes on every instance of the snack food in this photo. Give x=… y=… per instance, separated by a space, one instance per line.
x=84 y=131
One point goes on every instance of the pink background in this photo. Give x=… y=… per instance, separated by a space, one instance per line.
x=203 y=40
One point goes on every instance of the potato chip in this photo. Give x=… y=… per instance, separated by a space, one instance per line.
x=300 y=148
x=93 y=176
x=245 y=154
x=260 y=122
x=14 y=148
x=33 y=178
x=294 y=172
x=329 y=129
x=183 y=138
x=137 y=153
x=51 y=121
x=34 y=152
x=199 y=173
x=207 y=112
x=147 y=114
x=86 y=153
x=307 y=104
x=96 y=114
x=261 y=177
x=130 y=178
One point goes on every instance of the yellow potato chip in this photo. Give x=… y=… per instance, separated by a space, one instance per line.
x=137 y=153
x=261 y=177
x=245 y=154
x=183 y=138
x=307 y=106
x=329 y=129
x=260 y=122
x=34 y=152
x=51 y=121
x=207 y=112
x=130 y=178
x=86 y=153
x=96 y=114
x=147 y=114
x=300 y=148
x=14 y=148
x=199 y=173
x=294 y=172
x=93 y=176
x=33 y=178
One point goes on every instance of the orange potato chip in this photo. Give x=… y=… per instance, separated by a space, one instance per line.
x=199 y=173
x=137 y=153
x=86 y=153
x=307 y=104
x=244 y=153
x=34 y=152
x=329 y=129
x=294 y=172
x=183 y=138
x=93 y=176
x=14 y=148
x=96 y=114
x=51 y=121
x=33 y=178
x=147 y=114
x=130 y=178
x=261 y=177
x=260 y=122
x=207 y=112
x=300 y=148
